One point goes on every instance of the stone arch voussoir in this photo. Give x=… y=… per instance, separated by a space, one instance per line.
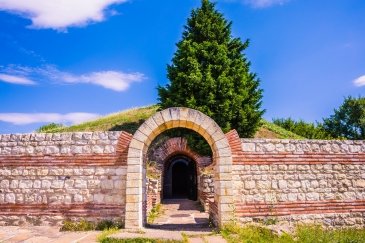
x=177 y=117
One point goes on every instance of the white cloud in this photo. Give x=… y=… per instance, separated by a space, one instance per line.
x=117 y=81
x=360 y=81
x=261 y=3
x=59 y=14
x=109 y=79
x=15 y=79
x=29 y=118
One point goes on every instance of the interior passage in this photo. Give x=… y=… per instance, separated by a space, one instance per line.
x=180 y=178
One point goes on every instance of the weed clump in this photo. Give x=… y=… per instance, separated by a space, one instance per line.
x=154 y=213
x=84 y=225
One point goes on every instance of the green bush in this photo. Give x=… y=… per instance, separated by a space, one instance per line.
x=109 y=224
x=82 y=225
x=49 y=127
x=302 y=128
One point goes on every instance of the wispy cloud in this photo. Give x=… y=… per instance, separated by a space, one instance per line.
x=360 y=81
x=15 y=79
x=60 y=14
x=261 y=3
x=117 y=81
x=29 y=118
x=109 y=79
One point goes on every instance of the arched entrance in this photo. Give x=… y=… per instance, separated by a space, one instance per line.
x=135 y=215
x=180 y=178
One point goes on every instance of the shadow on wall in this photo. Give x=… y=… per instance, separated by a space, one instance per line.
x=130 y=127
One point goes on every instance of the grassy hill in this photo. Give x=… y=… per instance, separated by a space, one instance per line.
x=130 y=120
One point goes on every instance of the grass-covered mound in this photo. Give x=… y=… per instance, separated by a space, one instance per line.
x=130 y=120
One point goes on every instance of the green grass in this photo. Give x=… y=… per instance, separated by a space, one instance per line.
x=84 y=225
x=106 y=233
x=154 y=213
x=130 y=120
x=138 y=240
x=303 y=234
x=185 y=237
x=315 y=233
x=279 y=131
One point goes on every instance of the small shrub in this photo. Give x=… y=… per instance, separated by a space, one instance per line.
x=49 y=127
x=270 y=221
x=82 y=225
x=109 y=224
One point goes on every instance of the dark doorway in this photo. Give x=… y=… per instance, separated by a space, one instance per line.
x=180 y=178
x=180 y=174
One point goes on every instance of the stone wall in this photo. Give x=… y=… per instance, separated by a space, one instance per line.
x=206 y=190
x=299 y=180
x=46 y=178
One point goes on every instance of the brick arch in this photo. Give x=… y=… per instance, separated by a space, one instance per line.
x=179 y=145
x=162 y=155
x=178 y=117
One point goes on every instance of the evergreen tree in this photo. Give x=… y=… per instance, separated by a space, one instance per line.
x=210 y=73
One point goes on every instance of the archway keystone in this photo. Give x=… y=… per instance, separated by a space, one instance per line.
x=177 y=117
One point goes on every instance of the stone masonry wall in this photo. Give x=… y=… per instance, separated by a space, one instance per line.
x=205 y=190
x=46 y=178
x=299 y=180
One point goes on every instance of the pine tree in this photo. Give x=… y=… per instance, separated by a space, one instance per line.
x=210 y=73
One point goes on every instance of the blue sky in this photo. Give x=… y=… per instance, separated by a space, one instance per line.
x=73 y=60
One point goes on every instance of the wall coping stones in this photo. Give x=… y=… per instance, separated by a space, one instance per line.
x=303 y=146
x=60 y=143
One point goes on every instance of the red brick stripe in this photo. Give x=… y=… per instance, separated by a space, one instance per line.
x=123 y=143
x=213 y=207
x=288 y=208
x=63 y=160
x=272 y=158
x=178 y=145
x=234 y=142
x=68 y=210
